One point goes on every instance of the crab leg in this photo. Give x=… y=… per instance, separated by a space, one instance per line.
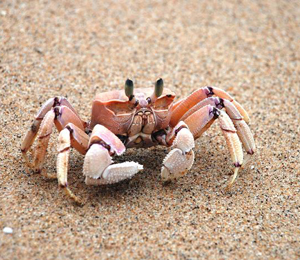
x=197 y=96
x=73 y=136
x=34 y=128
x=180 y=159
x=32 y=132
x=61 y=116
x=39 y=118
x=98 y=167
x=43 y=140
x=202 y=119
x=241 y=126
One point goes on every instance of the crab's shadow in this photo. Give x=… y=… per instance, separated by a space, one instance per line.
x=148 y=182
x=148 y=178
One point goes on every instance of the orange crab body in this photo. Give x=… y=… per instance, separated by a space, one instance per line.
x=134 y=122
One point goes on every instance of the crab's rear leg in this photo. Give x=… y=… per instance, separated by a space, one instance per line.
x=241 y=126
x=202 y=119
x=60 y=116
x=194 y=98
x=192 y=128
x=44 y=120
x=34 y=128
x=98 y=167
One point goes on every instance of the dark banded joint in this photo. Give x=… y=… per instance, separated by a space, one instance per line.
x=70 y=129
x=33 y=128
x=179 y=128
x=250 y=152
x=56 y=102
x=63 y=186
x=237 y=165
x=103 y=144
x=219 y=103
x=215 y=112
x=210 y=92
x=56 y=112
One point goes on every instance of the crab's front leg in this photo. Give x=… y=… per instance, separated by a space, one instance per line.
x=180 y=159
x=70 y=136
x=98 y=167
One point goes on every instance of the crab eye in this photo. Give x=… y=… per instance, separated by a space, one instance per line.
x=159 y=86
x=129 y=88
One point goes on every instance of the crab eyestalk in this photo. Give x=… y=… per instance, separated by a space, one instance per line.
x=158 y=90
x=129 y=90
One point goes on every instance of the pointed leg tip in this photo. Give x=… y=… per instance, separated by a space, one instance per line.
x=166 y=182
x=27 y=161
x=78 y=202
x=72 y=196
x=230 y=184
x=47 y=175
x=228 y=187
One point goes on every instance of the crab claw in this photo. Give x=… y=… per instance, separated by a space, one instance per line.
x=176 y=164
x=116 y=173
x=98 y=167
x=96 y=161
x=181 y=158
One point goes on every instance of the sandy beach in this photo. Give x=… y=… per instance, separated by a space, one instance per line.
x=77 y=49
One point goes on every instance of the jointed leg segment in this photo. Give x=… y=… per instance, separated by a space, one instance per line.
x=197 y=96
x=70 y=135
x=43 y=140
x=56 y=111
x=200 y=110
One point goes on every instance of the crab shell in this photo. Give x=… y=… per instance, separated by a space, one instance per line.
x=133 y=120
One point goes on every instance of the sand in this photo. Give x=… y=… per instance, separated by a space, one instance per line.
x=79 y=48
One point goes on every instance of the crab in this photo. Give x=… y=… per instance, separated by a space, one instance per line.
x=140 y=117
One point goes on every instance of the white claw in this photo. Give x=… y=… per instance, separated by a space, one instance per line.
x=176 y=164
x=98 y=167
x=121 y=171
x=96 y=161
x=115 y=173
x=184 y=140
